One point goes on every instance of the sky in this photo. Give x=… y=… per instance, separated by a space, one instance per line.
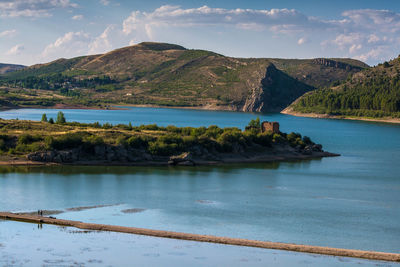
x=39 y=31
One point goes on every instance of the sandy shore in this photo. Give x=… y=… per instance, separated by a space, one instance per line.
x=371 y=255
x=288 y=111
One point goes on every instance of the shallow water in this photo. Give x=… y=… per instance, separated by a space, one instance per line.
x=350 y=201
x=23 y=244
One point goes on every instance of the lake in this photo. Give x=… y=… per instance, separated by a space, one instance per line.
x=351 y=201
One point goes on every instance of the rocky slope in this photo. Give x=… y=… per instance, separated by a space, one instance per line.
x=171 y=75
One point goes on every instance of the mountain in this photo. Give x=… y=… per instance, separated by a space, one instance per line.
x=373 y=92
x=171 y=75
x=6 y=68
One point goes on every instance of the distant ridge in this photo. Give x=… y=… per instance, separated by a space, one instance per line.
x=6 y=68
x=171 y=75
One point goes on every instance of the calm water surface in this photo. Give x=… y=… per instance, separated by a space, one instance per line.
x=27 y=245
x=350 y=201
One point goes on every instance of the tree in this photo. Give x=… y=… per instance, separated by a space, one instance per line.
x=254 y=124
x=60 y=118
x=44 y=117
x=51 y=121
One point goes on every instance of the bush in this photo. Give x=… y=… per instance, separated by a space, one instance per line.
x=152 y=127
x=189 y=141
x=138 y=141
x=254 y=124
x=277 y=138
x=307 y=140
x=2 y=145
x=162 y=149
x=264 y=139
x=64 y=141
x=28 y=139
x=213 y=132
x=198 y=131
x=94 y=140
x=121 y=141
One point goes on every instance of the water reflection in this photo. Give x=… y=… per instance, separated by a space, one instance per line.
x=159 y=170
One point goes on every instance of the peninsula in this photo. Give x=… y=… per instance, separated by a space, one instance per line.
x=62 y=142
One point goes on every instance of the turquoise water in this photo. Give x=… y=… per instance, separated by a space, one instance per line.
x=350 y=201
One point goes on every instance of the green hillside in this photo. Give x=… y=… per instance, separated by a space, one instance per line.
x=170 y=75
x=373 y=92
x=6 y=68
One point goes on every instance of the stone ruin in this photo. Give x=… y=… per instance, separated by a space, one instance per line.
x=270 y=126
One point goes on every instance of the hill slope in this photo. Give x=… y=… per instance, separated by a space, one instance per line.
x=167 y=74
x=6 y=68
x=373 y=92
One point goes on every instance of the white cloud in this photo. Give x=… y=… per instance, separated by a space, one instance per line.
x=301 y=41
x=358 y=33
x=71 y=44
x=277 y=20
x=15 y=50
x=77 y=17
x=102 y=43
x=105 y=2
x=8 y=33
x=32 y=8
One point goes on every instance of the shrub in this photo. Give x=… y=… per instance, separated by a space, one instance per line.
x=152 y=127
x=213 y=131
x=65 y=141
x=138 y=141
x=277 y=138
x=162 y=149
x=94 y=140
x=307 y=140
x=254 y=124
x=264 y=139
x=198 y=131
x=171 y=139
x=121 y=140
x=27 y=139
x=189 y=141
x=2 y=145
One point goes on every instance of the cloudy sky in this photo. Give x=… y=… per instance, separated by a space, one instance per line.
x=37 y=31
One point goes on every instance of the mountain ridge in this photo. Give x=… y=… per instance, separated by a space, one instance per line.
x=171 y=75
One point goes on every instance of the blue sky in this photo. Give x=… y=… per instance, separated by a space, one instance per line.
x=38 y=31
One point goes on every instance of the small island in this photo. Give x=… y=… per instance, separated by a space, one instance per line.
x=60 y=142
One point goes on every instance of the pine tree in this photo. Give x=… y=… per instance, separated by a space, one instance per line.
x=60 y=118
x=44 y=117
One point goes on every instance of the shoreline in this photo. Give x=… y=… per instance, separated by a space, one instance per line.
x=338 y=117
x=370 y=255
x=226 y=161
x=286 y=111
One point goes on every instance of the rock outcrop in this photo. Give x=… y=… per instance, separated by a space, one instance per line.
x=335 y=64
x=275 y=91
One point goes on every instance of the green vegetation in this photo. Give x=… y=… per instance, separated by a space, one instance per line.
x=371 y=93
x=151 y=73
x=152 y=139
x=60 y=118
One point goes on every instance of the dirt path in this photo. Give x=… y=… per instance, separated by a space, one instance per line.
x=371 y=255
